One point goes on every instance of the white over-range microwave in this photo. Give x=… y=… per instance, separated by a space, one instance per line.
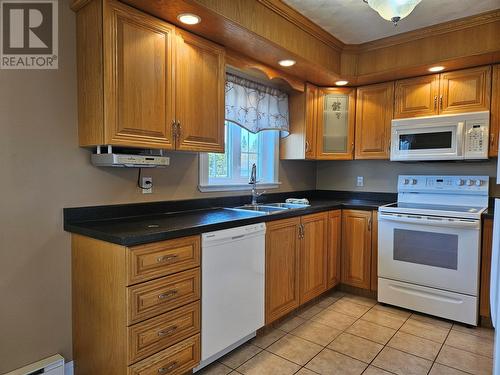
x=461 y=136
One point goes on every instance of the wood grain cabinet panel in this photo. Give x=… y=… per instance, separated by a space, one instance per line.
x=313 y=256
x=484 y=295
x=149 y=261
x=176 y=360
x=138 y=83
x=282 y=268
x=374 y=260
x=155 y=297
x=356 y=248
x=335 y=123
x=200 y=80
x=159 y=333
x=495 y=112
x=417 y=96
x=334 y=247
x=374 y=110
x=465 y=90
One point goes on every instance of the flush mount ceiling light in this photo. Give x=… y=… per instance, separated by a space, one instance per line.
x=341 y=83
x=436 y=69
x=286 y=62
x=393 y=10
x=189 y=18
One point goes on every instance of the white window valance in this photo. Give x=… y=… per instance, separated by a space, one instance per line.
x=256 y=107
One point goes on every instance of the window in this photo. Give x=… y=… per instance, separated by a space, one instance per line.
x=231 y=170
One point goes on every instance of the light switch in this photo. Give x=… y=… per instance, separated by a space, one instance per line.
x=360 y=181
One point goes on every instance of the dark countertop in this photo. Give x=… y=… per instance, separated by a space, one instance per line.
x=136 y=224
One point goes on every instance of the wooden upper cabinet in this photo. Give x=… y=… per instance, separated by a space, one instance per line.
x=139 y=78
x=313 y=256
x=301 y=142
x=334 y=247
x=495 y=112
x=356 y=248
x=199 y=94
x=417 y=96
x=374 y=109
x=282 y=268
x=335 y=124
x=139 y=95
x=465 y=90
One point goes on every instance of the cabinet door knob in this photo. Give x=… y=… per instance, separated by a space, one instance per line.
x=440 y=102
x=435 y=101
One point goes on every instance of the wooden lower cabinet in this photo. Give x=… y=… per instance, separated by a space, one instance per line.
x=282 y=268
x=313 y=256
x=334 y=248
x=374 y=260
x=123 y=326
x=356 y=248
x=484 y=294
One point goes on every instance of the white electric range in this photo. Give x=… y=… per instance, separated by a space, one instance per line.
x=429 y=246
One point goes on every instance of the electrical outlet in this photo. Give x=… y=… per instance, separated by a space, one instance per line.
x=360 y=181
x=147 y=183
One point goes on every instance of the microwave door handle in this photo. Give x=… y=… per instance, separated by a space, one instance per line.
x=429 y=221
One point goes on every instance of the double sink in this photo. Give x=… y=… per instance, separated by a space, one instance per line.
x=270 y=208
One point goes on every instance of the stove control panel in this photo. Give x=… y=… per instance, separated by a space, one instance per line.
x=437 y=184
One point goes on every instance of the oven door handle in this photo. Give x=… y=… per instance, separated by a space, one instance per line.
x=426 y=220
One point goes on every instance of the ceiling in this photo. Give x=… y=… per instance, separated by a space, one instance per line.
x=354 y=22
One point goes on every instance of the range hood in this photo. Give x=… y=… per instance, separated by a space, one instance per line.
x=129 y=158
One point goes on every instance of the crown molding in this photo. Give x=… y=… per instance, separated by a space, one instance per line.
x=304 y=23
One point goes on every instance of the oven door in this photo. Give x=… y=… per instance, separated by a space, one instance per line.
x=427 y=141
x=431 y=251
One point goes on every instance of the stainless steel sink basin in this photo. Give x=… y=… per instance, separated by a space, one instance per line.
x=270 y=208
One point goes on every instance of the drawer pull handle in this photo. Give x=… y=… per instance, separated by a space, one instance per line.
x=167 y=369
x=168 y=294
x=167 y=332
x=166 y=258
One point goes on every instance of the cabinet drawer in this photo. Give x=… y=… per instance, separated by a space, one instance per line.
x=158 y=333
x=177 y=359
x=146 y=262
x=158 y=296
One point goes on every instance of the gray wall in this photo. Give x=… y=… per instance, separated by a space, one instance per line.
x=381 y=175
x=43 y=170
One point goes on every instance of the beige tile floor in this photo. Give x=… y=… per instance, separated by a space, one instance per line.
x=351 y=335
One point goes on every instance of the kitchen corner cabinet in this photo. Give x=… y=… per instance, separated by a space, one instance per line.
x=134 y=88
x=335 y=123
x=466 y=90
x=301 y=143
x=486 y=248
x=495 y=112
x=374 y=109
x=334 y=248
x=356 y=248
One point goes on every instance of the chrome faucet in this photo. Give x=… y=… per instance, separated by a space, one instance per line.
x=253 y=182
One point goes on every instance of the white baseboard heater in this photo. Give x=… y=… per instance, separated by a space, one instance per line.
x=53 y=365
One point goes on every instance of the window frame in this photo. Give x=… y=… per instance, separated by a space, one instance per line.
x=204 y=184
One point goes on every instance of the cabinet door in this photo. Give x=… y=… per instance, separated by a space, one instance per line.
x=200 y=80
x=484 y=299
x=374 y=108
x=374 y=260
x=313 y=256
x=335 y=130
x=495 y=112
x=356 y=248
x=334 y=243
x=282 y=267
x=417 y=97
x=138 y=79
x=311 y=120
x=465 y=90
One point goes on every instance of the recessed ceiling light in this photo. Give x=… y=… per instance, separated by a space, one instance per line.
x=341 y=83
x=189 y=18
x=436 y=69
x=286 y=62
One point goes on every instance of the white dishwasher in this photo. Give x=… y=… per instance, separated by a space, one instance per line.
x=232 y=289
